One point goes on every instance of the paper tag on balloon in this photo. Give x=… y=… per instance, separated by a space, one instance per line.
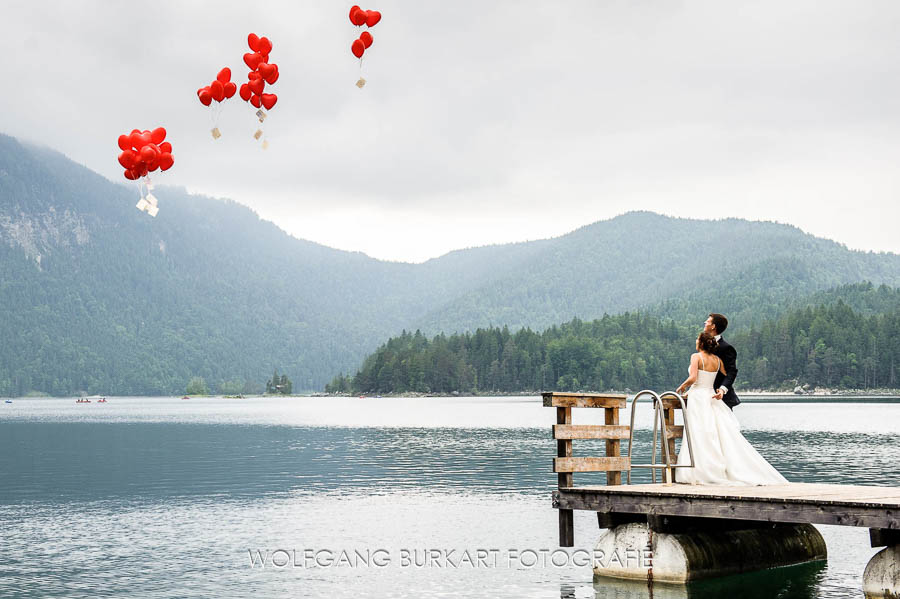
x=216 y=133
x=360 y=83
x=151 y=199
x=258 y=134
x=152 y=210
x=142 y=205
x=261 y=115
x=265 y=144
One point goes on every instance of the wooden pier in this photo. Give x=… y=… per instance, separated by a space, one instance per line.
x=876 y=508
x=678 y=508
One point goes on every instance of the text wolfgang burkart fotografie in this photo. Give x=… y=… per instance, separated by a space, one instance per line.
x=447 y=558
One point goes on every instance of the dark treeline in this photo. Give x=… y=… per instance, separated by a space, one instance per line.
x=828 y=345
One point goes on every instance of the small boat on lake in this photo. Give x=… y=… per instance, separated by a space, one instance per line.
x=97 y=398
x=7 y=401
x=185 y=397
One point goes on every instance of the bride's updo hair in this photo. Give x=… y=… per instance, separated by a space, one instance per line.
x=707 y=342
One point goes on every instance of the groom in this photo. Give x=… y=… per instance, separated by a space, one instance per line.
x=716 y=325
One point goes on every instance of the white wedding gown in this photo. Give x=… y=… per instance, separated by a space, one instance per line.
x=722 y=456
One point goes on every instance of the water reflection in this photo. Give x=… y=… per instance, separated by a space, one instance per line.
x=793 y=582
x=87 y=461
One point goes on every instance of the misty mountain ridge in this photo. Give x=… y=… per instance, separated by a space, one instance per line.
x=96 y=296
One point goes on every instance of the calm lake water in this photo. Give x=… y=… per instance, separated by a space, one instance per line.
x=163 y=497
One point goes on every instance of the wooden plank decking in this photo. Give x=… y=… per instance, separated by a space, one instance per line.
x=846 y=505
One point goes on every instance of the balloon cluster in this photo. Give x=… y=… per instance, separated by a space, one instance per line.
x=220 y=89
x=261 y=73
x=142 y=153
x=360 y=17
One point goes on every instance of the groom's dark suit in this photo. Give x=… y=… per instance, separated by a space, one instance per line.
x=728 y=355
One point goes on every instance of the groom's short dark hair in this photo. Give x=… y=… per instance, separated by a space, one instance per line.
x=720 y=322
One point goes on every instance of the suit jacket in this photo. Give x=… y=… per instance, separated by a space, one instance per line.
x=728 y=355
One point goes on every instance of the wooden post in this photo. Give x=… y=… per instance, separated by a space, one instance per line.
x=613 y=446
x=669 y=414
x=564 y=450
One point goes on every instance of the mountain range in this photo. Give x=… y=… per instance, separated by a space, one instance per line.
x=98 y=297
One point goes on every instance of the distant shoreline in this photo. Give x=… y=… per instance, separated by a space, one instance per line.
x=745 y=395
x=750 y=396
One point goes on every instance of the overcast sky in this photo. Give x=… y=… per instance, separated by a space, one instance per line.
x=486 y=122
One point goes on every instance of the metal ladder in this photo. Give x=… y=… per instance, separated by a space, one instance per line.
x=659 y=426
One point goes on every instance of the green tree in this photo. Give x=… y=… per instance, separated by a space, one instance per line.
x=197 y=386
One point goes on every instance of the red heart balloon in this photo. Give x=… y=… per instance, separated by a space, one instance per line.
x=257 y=86
x=147 y=154
x=146 y=137
x=205 y=95
x=372 y=18
x=255 y=100
x=124 y=142
x=268 y=100
x=358 y=48
x=245 y=92
x=359 y=17
x=166 y=161
x=253 y=41
x=126 y=158
x=366 y=38
x=252 y=60
x=158 y=135
x=165 y=147
x=135 y=139
x=353 y=10
x=130 y=175
x=265 y=46
x=230 y=88
x=271 y=80
x=224 y=75
x=266 y=70
x=253 y=75
x=217 y=90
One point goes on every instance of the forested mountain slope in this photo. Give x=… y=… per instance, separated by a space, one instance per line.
x=96 y=296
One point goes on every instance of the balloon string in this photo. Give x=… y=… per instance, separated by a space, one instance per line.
x=214 y=114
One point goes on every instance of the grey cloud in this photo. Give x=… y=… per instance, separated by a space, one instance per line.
x=548 y=109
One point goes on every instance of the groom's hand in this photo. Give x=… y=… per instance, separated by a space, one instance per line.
x=719 y=394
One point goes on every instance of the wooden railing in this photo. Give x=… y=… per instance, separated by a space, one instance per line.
x=565 y=464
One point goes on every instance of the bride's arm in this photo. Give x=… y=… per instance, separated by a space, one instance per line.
x=692 y=374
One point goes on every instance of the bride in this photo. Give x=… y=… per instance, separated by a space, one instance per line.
x=722 y=456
